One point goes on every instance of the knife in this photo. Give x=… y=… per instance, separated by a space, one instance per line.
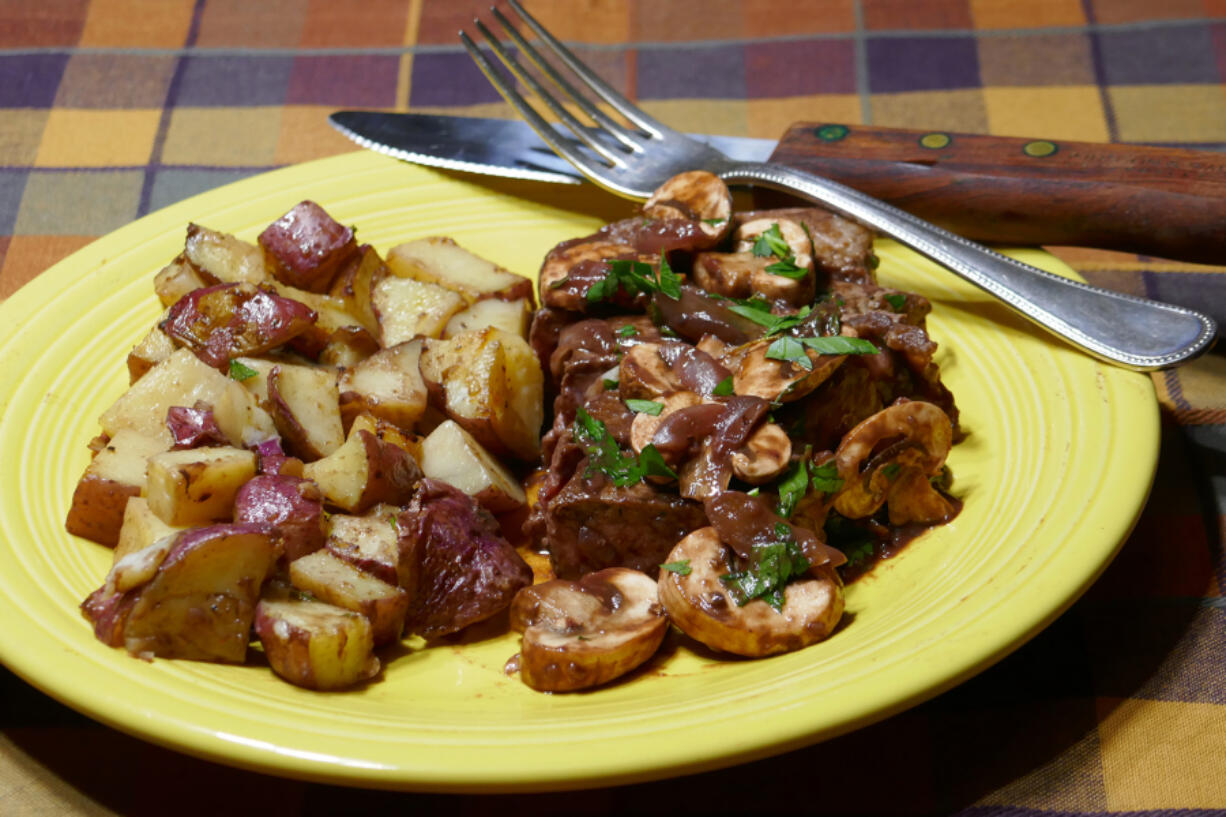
x=1167 y=202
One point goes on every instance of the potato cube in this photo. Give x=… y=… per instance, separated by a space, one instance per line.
x=223 y=257
x=178 y=278
x=388 y=384
x=152 y=350
x=364 y=472
x=368 y=542
x=196 y=486
x=442 y=261
x=407 y=309
x=450 y=454
x=509 y=316
x=306 y=247
x=315 y=645
x=112 y=478
x=141 y=528
x=331 y=579
x=305 y=406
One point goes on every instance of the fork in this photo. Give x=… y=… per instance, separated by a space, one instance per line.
x=632 y=161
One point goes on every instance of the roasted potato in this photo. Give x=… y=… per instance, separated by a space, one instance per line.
x=306 y=247
x=113 y=476
x=196 y=486
x=331 y=579
x=388 y=384
x=368 y=542
x=442 y=261
x=315 y=645
x=305 y=406
x=291 y=506
x=407 y=308
x=450 y=454
x=364 y=472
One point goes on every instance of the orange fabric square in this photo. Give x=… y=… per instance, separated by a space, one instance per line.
x=87 y=138
x=591 y=21
x=41 y=22
x=306 y=135
x=241 y=22
x=687 y=20
x=29 y=255
x=1034 y=14
x=771 y=18
x=137 y=23
x=371 y=23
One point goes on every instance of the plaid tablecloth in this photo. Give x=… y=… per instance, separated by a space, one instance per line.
x=112 y=108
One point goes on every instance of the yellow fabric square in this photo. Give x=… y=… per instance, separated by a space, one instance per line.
x=961 y=111
x=1152 y=749
x=1031 y=14
x=137 y=23
x=1169 y=113
x=306 y=135
x=720 y=116
x=770 y=118
x=1074 y=113
x=76 y=138
x=222 y=137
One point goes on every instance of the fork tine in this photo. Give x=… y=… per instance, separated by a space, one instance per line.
x=563 y=147
x=600 y=117
x=606 y=92
x=566 y=116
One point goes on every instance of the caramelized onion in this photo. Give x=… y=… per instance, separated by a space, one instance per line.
x=695 y=314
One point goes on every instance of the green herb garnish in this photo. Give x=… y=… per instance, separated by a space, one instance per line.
x=645 y=407
x=792 y=488
x=771 y=242
x=681 y=568
x=771 y=567
x=714 y=220
x=633 y=277
x=787 y=269
x=825 y=478
x=724 y=388
x=792 y=349
x=240 y=372
x=627 y=331
x=896 y=300
x=610 y=384
x=891 y=470
x=604 y=454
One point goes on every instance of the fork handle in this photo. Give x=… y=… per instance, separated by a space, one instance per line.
x=1131 y=332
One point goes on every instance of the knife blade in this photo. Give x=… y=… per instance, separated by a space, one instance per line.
x=1166 y=202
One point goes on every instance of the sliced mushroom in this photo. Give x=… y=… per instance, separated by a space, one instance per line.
x=579 y=634
x=695 y=196
x=571 y=268
x=889 y=457
x=704 y=609
x=757 y=375
x=644 y=426
x=795 y=290
x=644 y=374
x=764 y=456
x=727 y=273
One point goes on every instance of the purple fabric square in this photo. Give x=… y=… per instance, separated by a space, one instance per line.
x=1205 y=291
x=449 y=79
x=1153 y=56
x=12 y=185
x=233 y=80
x=30 y=80
x=799 y=68
x=352 y=80
x=171 y=185
x=897 y=64
x=692 y=72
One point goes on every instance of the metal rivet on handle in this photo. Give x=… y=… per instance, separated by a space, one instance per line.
x=935 y=141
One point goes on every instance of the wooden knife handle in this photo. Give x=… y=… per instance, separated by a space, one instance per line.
x=1166 y=202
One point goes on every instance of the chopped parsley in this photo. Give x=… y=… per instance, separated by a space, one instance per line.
x=759 y=311
x=771 y=566
x=645 y=407
x=825 y=478
x=723 y=388
x=610 y=384
x=714 y=221
x=802 y=476
x=896 y=300
x=627 y=331
x=771 y=243
x=633 y=277
x=681 y=568
x=891 y=470
x=605 y=456
x=240 y=372
x=792 y=349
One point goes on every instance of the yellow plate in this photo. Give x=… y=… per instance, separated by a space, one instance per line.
x=1059 y=457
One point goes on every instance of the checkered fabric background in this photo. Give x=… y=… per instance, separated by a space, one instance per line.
x=110 y=109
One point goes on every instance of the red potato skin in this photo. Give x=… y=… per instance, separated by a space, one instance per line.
x=397 y=473
x=194 y=427
x=454 y=561
x=291 y=505
x=230 y=320
x=272 y=459
x=306 y=247
x=99 y=520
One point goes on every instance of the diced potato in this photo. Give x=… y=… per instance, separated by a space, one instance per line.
x=152 y=350
x=442 y=261
x=306 y=247
x=347 y=347
x=450 y=454
x=492 y=384
x=509 y=316
x=177 y=279
x=199 y=602
x=354 y=285
x=331 y=579
x=368 y=542
x=364 y=472
x=389 y=385
x=407 y=309
x=112 y=478
x=388 y=433
x=304 y=404
x=223 y=257
x=196 y=486
x=291 y=506
x=183 y=380
x=316 y=645
x=141 y=528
